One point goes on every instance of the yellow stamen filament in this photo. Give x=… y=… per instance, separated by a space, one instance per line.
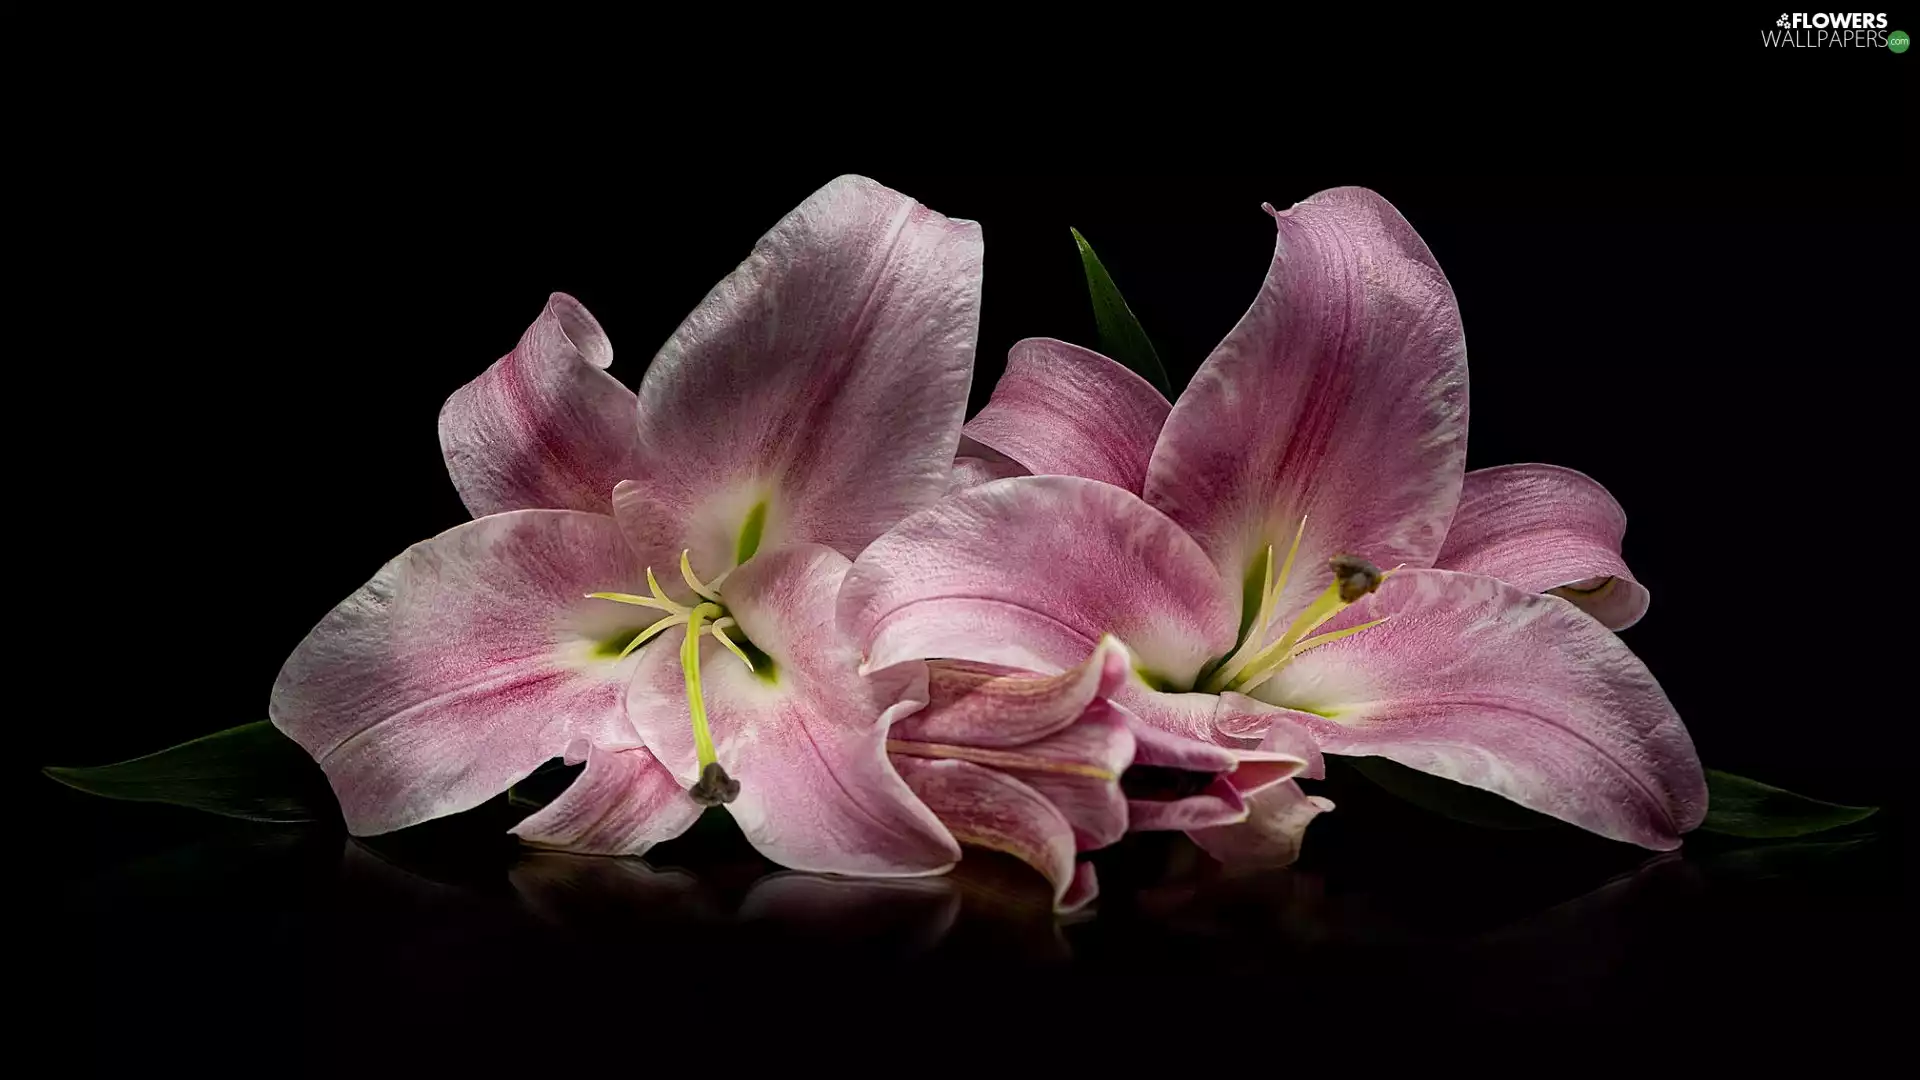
x=1271 y=586
x=1313 y=642
x=653 y=586
x=639 y=601
x=694 y=583
x=1352 y=579
x=643 y=636
x=690 y=670
x=719 y=631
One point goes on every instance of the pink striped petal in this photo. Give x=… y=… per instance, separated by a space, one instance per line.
x=1030 y=572
x=986 y=705
x=1340 y=396
x=1061 y=409
x=974 y=464
x=987 y=808
x=1543 y=528
x=1276 y=825
x=1220 y=803
x=623 y=803
x=1512 y=692
x=806 y=740
x=545 y=426
x=464 y=664
x=825 y=379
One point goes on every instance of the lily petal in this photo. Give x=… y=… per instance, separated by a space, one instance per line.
x=818 y=390
x=1030 y=572
x=991 y=706
x=623 y=803
x=974 y=464
x=1219 y=804
x=1087 y=760
x=1520 y=694
x=991 y=809
x=1543 y=528
x=806 y=738
x=1341 y=396
x=467 y=661
x=1065 y=410
x=1276 y=825
x=545 y=426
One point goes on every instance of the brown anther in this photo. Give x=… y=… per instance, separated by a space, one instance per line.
x=1357 y=577
x=715 y=788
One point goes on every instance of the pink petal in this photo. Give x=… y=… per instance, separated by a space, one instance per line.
x=809 y=746
x=826 y=377
x=1065 y=410
x=464 y=664
x=1543 y=527
x=1341 y=396
x=545 y=426
x=988 y=808
x=983 y=705
x=622 y=804
x=1512 y=692
x=1092 y=754
x=1220 y=804
x=1030 y=572
x=1272 y=834
x=974 y=464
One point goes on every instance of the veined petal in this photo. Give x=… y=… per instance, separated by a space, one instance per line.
x=806 y=738
x=1083 y=782
x=1061 y=409
x=1276 y=825
x=1212 y=732
x=1220 y=803
x=1030 y=572
x=991 y=809
x=974 y=464
x=1516 y=693
x=990 y=706
x=623 y=803
x=545 y=426
x=1543 y=527
x=464 y=664
x=824 y=381
x=1341 y=396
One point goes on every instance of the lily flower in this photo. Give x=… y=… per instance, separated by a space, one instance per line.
x=812 y=398
x=1044 y=767
x=1235 y=544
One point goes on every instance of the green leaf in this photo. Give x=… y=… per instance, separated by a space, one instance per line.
x=1738 y=806
x=1121 y=337
x=250 y=772
x=1446 y=798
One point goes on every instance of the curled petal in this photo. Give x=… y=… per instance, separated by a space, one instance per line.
x=1545 y=528
x=465 y=663
x=1340 y=396
x=974 y=464
x=805 y=735
x=821 y=386
x=1061 y=409
x=1219 y=804
x=623 y=803
x=545 y=426
x=1271 y=836
x=1516 y=693
x=991 y=809
x=1030 y=572
x=983 y=705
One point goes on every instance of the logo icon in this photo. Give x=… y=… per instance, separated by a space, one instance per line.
x=1783 y=21
x=1898 y=41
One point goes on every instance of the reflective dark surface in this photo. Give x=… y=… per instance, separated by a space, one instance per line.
x=195 y=938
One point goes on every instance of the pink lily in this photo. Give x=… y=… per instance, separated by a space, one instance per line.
x=1323 y=438
x=813 y=398
x=1033 y=766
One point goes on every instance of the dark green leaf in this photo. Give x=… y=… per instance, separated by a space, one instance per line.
x=1120 y=334
x=251 y=772
x=1738 y=806
x=1446 y=798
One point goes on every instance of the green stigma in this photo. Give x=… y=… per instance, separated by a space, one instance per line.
x=707 y=617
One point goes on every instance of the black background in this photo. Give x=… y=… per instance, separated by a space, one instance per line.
x=259 y=351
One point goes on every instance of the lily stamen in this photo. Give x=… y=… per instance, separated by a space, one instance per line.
x=1353 y=578
x=1271 y=587
x=709 y=616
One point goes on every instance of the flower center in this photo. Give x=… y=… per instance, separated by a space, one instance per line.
x=707 y=616
x=1253 y=663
